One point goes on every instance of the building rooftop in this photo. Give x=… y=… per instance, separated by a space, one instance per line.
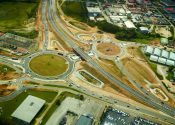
x=162 y=60
x=129 y=24
x=28 y=108
x=165 y=54
x=157 y=51
x=149 y=49
x=93 y=10
x=154 y=58
x=84 y=120
x=172 y=56
x=144 y=28
x=170 y=62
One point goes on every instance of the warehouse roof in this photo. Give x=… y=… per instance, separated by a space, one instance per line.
x=149 y=49
x=165 y=54
x=172 y=56
x=84 y=120
x=129 y=24
x=144 y=29
x=170 y=62
x=28 y=108
x=157 y=51
x=162 y=60
x=154 y=58
x=93 y=9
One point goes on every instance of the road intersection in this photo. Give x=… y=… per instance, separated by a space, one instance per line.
x=50 y=16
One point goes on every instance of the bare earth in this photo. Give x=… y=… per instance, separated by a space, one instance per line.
x=139 y=71
x=6 y=90
x=108 y=48
x=9 y=75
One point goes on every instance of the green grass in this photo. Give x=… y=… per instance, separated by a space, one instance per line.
x=89 y=78
x=75 y=10
x=10 y=106
x=5 y=68
x=13 y=15
x=48 y=65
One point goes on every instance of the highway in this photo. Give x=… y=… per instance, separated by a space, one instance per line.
x=61 y=31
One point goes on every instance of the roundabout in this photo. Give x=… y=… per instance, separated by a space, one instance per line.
x=110 y=49
x=48 y=65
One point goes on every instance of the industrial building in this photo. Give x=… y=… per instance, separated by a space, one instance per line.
x=164 y=41
x=157 y=52
x=172 y=56
x=93 y=10
x=160 y=56
x=129 y=24
x=154 y=58
x=28 y=109
x=164 y=54
x=149 y=49
x=144 y=30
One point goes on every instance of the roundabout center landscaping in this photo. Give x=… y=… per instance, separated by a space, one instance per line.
x=49 y=65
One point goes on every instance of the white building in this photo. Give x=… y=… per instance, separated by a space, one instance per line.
x=165 y=54
x=28 y=109
x=157 y=52
x=154 y=58
x=170 y=62
x=144 y=29
x=162 y=60
x=129 y=24
x=149 y=49
x=172 y=56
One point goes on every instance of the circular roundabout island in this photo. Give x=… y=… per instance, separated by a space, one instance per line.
x=48 y=65
x=110 y=49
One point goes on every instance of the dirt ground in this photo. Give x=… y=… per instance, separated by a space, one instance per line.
x=163 y=32
x=139 y=70
x=86 y=37
x=108 y=48
x=9 y=75
x=6 y=90
x=134 y=51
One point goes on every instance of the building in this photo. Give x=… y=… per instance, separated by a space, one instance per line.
x=84 y=120
x=172 y=56
x=157 y=52
x=170 y=62
x=149 y=49
x=93 y=10
x=129 y=24
x=162 y=60
x=154 y=58
x=165 y=54
x=28 y=109
x=144 y=30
